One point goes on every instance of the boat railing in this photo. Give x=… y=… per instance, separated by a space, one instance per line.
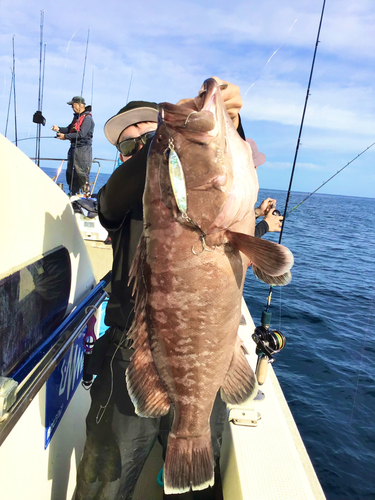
x=37 y=368
x=95 y=160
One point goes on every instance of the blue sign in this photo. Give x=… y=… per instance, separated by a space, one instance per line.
x=63 y=383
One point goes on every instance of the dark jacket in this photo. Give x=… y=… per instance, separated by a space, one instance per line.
x=84 y=136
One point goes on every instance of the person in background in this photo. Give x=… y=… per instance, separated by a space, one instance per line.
x=80 y=133
x=270 y=222
x=118 y=441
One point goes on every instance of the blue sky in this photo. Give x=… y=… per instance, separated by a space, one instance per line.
x=168 y=48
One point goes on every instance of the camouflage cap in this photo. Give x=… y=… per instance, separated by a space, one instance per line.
x=77 y=99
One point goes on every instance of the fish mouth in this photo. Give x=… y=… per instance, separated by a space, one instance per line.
x=188 y=119
x=208 y=94
x=198 y=115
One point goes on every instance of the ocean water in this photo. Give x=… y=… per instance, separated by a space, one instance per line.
x=327 y=314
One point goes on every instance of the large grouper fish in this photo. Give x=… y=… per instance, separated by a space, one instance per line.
x=189 y=272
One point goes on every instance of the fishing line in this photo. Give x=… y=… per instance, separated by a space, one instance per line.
x=334 y=175
x=372 y=306
x=277 y=50
x=130 y=83
x=67 y=49
x=102 y=408
x=115 y=161
x=298 y=144
x=79 y=114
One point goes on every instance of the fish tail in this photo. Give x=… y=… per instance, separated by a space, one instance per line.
x=189 y=464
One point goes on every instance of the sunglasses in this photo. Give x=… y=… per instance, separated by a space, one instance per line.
x=130 y=146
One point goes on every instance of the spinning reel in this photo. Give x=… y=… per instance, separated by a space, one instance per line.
x=268 y=343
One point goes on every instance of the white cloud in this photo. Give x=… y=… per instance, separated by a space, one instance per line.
x=170 y=48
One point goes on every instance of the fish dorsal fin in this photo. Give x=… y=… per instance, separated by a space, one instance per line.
x=271 y=262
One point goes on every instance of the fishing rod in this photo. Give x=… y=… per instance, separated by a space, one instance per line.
x=332 y=176
x=270 y=341
x=44 y=68
x=12 y=89
x=302 y=122
x=10 y=100
x=84 y=65
x=38 y=118
x=41 y=104
x=36 y=137
x=83 y=80
x=14 y=93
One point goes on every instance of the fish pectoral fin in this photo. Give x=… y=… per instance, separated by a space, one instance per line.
x=281 y=280
x=271 y=262
x=146 y=390
x=240 y=383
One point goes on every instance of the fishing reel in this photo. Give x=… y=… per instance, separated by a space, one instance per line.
x=268 y=342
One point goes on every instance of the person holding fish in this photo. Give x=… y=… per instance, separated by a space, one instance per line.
x=119 y=439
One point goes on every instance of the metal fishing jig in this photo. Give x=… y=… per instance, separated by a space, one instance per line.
x=177 y=177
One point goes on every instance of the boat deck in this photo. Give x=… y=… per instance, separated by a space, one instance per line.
x=268 y=461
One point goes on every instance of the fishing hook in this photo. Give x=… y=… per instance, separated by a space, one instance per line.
x=189 y=117
x=205 y=247
x=202 y=237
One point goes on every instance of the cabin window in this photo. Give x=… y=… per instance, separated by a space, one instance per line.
x=33 y=302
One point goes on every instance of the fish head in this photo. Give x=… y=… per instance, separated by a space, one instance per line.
x=193 y=167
